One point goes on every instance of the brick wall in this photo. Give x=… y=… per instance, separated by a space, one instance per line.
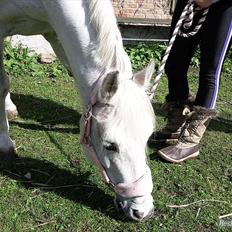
x=151 y=9
x=137 y=9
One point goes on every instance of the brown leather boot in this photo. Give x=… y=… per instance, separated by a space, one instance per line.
x=188 y=144
x=176 y=116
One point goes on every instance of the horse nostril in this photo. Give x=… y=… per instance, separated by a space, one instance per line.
x=118 y=205
x=137 y=214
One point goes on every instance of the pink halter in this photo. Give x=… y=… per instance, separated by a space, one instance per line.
x=128 y=190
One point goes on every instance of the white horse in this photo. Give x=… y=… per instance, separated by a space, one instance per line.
x=118 y=116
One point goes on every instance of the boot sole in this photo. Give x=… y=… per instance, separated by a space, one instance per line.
x=192 y=156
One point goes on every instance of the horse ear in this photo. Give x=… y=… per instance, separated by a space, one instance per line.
x=109 y=85
x=143 y=77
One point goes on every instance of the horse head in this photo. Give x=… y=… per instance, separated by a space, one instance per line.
x=117 y=124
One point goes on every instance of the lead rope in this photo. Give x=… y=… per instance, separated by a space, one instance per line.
x=186 y=19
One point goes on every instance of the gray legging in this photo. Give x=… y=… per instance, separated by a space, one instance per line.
x=214 y=39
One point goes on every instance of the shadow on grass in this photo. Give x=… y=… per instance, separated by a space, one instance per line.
x=221 y=124
x=47 y=113
x=47 y=177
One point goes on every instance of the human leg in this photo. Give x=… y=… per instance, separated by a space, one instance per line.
x=176 y=68
x=218 y=27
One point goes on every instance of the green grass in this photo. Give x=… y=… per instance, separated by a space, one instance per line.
x=66 y=193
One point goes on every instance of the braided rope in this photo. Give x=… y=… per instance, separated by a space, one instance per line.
x=186 y=20
x=188 y=23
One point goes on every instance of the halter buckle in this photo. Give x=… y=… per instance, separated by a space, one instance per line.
x=87 y=117
x=87 y=114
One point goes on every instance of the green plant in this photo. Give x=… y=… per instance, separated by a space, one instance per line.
x=19 y=61
x=141 y=54
x=195 y=61
x=228 y=62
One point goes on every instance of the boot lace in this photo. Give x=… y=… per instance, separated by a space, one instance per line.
x=190 y=126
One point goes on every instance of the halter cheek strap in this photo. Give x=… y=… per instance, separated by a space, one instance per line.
x=137 y=188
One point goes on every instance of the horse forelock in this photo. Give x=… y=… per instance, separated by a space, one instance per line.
x=103 y=19
x=132 y=114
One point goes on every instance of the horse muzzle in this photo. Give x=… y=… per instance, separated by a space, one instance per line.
x=137 y=209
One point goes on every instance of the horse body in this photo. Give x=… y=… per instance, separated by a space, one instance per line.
x=86 y=39
x=23 y=17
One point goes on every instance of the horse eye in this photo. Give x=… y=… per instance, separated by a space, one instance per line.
x=110 y=146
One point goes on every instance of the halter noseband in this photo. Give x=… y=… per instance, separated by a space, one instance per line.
x=138 y=188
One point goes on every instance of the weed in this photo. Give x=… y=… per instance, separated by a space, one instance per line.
x=19 y=61
x=141 y=54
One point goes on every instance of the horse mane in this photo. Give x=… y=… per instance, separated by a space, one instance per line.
x=102 y=16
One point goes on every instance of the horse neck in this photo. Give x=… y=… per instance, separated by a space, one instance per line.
x=84 y=37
